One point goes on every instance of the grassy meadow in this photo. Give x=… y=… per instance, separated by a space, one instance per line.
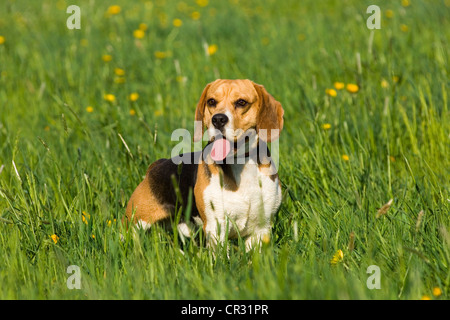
x=84 y=112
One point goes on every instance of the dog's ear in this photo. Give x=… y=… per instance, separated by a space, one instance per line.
x=270 y=115
x=199 y=114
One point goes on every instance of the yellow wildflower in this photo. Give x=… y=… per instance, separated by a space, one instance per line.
x=143 y=26
x=266 y=239
x=2 y=40
x=160 y=54
x=177 y=23
x=55 y=238
x=132 y=112
x=389 y=13
x=119 y=72
x=404 y=28
x=384 y=84
x=195 y=15
x=106 y=57
x=109 y=97
x=331 y=92
x=89 y=109
x=338 y=257
x=339 y=85
x=326 y=126
x=406 y=3
x=108 y=223
x=139 y=34
x=133 y=96
x=352 y=88
x=85 y=217
x=114 y=9
x=425 y=297
x=93 y=236
x=212 y=49
x=437 y=291
x=47 y=128
x=345 y=157
x=202 y=3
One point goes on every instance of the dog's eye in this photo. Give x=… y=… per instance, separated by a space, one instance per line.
x=241 y=103
x=212 y=102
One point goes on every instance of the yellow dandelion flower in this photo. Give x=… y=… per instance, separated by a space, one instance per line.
x=392 y=158
x=404 y=28
x=93 y=236
x=119 y=72
x=326 y=126
x=109 y=97
x=177 y=23
x=396 y=79
x=132 y=112
x=195 y=15
x=2 y=39
x=384 y=84
x=160 y=54
x=114 y=9
x=406 y=3
x=437 y=291
x=119 y=80
x=389 y=13
x=212 y=49
x=202 y=3
x=133 y=96
x=331 y=92
x=352 y=88
x=345 y=157
x=143 y=26
x=108 y=223
x=266 y=239
x=338 y=257
x=339 y=85
x=425 y=297
x=55 y=238
x=106 y=57
x=139 y=34
x=89 y=109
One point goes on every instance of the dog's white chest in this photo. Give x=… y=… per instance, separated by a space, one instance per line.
x=245 y=209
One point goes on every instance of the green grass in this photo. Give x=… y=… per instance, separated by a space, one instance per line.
x=71 y=161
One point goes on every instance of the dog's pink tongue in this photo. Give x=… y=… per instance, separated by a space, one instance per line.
x=220 y=149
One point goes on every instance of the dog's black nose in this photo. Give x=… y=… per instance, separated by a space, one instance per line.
x=219 y=120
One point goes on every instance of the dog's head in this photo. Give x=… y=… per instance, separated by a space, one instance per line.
x=233 y=107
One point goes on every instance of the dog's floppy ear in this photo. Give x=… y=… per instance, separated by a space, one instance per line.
x=270 y=115
x=199 y=113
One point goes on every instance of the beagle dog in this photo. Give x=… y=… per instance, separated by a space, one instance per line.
x=233 y=180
